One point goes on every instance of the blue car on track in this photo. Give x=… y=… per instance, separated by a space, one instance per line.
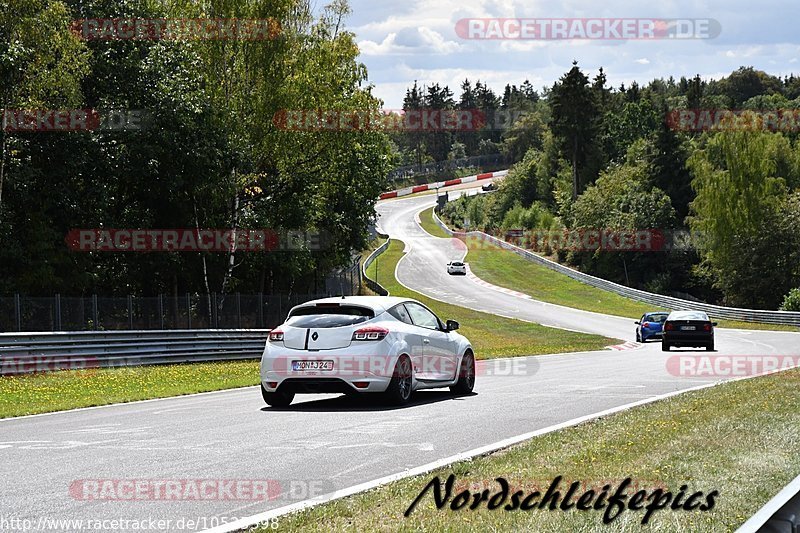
x=651 y=326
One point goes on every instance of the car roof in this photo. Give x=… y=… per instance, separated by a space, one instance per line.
x=688 y=315
x=657 y=313
x=378 y=304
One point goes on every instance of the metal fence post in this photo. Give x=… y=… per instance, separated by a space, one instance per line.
x=260 y=309
x=95 y=317
x=17 y=311
x=130 y=312
x=189 y=310
x=57 y=325
x=214 y=314
x=161 y=310
x=239 y=310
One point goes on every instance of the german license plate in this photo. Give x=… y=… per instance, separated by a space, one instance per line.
x=688 y=328
x=312 y=365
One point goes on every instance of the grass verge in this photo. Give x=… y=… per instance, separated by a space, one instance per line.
x=491 y=335
x=663 y=445
x=507 y=269
x=68 y=389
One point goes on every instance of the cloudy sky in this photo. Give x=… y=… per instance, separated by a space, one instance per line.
x=417 y=40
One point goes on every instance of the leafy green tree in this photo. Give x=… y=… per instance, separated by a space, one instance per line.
x=415 y=140
x=792 y=301
x=574 y=122
x=747 y=82
x=738 y=203
x=621 y=200
x=636 y=120
x=457 y=151
x=42 y=62
x=668 y=169
x=526 y=133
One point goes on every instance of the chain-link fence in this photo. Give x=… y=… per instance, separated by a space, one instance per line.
x=451 y=164
x=184 y=311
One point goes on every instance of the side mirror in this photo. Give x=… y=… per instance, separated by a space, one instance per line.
x=637 y=322
x=452 y=325
x=714 y=324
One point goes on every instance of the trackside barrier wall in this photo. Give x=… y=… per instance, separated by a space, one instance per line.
x=436 y=185
x=658 y=300
x=24 y=353
x=373 y=285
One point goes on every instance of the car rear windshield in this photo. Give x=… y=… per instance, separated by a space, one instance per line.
x=688 y=315
x=457 y=264
x=656 y=317
x=329 y=316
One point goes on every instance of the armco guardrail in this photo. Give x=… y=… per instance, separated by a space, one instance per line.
x=24 y=353
x=667 y=302
x=436 y=185
x=373 y=285
x=780 y=515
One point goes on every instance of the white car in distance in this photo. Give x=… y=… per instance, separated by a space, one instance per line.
x=364 y=344
x=456 y=267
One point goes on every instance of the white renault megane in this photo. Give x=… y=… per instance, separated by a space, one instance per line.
x=363 y=344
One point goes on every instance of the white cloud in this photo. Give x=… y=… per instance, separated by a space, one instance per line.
x=420 y=40
x=417 y=40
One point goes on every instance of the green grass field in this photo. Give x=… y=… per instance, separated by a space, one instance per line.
x=68 y=389
x=662 y=445
x=507 y=269
x=491 y=336
x=56 y=391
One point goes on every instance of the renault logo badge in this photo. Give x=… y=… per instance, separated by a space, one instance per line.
x=314 y=336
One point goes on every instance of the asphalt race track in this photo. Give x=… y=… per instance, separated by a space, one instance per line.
x=325 y=442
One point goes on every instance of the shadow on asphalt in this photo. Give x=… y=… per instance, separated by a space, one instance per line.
x=368 y=402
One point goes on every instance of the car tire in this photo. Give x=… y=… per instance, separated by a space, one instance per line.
x=278 y=398
x=665 y=346
x=399 y=390
x=638 y=337
x=710 y=346
x=466 y=375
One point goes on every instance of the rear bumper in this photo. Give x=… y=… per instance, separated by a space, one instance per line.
x=320 y=385
x=324 y=385
x=695 y=339
x=349 y=367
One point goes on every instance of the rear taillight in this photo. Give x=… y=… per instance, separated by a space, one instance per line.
x=370 y=334
x=707 y=327
x=276 y=336
x=646 y=325
x=668 y=326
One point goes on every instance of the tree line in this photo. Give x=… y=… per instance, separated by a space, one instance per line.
x=590 y=156
x=209 y=154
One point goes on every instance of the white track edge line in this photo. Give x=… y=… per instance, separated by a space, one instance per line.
x=755 y=522
x=470 y=454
